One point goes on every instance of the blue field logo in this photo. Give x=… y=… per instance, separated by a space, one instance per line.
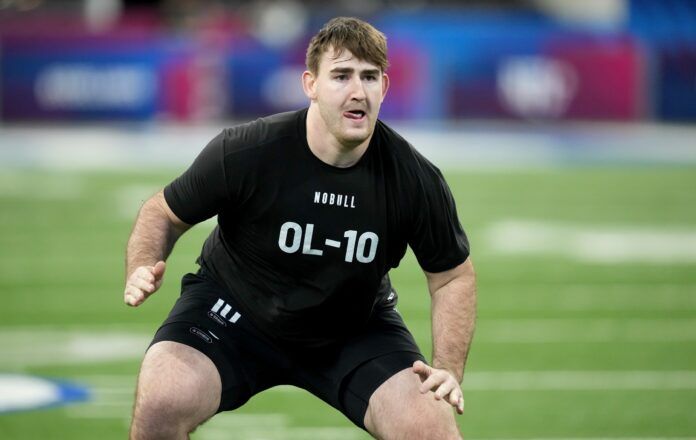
x=22 y=393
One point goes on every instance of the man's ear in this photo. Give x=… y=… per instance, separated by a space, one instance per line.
x=309 y=84
x=385 y=85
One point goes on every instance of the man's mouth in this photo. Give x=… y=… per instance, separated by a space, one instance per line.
x=354 y=114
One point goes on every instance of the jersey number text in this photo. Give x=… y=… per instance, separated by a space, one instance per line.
x=362 y=247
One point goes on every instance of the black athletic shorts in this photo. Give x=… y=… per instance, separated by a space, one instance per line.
x=206 y=318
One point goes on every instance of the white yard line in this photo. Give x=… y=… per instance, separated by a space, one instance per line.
x=594 y=244
x=580 y=380
x=22 y=347
x=534 y=331
x=42 y=186
x=596 y=297
x=466 y=145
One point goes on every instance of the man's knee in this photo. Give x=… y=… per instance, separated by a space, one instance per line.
x=418 y=422
x=157 y=419
x=397 y=410
x=427 y=422
x=178 y=389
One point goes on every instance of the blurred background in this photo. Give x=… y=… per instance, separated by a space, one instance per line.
x=186 y=60
x=566 y=130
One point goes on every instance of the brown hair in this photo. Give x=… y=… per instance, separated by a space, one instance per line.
x=348 y=33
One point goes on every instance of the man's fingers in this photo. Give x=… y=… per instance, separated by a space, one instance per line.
x=421 y=369
x=449 y=390
x=433 y=381
x=132 y=301
x=460 y=405
x=144 y=278
x=145 y=273
x=445 y=389
x=145 y=285
x=143 y=282
x=133 y=297
x=454 y=396
x=158 y=269
x=442 y=383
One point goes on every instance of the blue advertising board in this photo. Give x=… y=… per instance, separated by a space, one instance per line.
x=84 y=79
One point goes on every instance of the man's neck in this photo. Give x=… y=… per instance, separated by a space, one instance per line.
x=326 y=147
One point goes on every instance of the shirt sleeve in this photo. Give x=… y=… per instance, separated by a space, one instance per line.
x=201 y=191
x=438 y=239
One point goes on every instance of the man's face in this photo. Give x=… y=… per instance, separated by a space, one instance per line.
x=348 y=93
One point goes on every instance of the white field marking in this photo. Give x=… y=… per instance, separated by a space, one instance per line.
x=580 y=380
x=19 y=392
x=608 y=296
x=26 y=348
x=109 y=403
x=89 y=328
x=103 y=147
x=550 y=330
x=42 y=187
x=112 y=397
x=476 y=144
x=595 y=244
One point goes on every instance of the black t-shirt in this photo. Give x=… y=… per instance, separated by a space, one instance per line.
x=304 y=247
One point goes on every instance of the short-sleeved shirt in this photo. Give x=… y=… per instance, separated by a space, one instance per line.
x=304 y=247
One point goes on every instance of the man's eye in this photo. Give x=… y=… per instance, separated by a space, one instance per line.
x=371 y=78
x=341 y=77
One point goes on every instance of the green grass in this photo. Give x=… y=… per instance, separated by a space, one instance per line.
x=62 y=240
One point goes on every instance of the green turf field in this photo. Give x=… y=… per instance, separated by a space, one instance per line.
x=587 y=317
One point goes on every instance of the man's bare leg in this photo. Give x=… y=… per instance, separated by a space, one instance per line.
x=397 y=410
x=178 y=389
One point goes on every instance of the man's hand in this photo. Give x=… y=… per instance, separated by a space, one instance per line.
x=442 y=382
x=143 y=282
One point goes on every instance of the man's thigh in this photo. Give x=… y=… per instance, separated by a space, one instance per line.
x=206 y=319
x=178 y=389
x=397 y=410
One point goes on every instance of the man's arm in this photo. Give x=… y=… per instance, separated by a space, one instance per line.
x=156 y=230
x=453 y=295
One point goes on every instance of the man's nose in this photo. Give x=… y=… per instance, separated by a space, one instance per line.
x=358 y=90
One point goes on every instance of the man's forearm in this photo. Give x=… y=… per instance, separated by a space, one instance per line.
x=153 y=235
x=453 y=321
